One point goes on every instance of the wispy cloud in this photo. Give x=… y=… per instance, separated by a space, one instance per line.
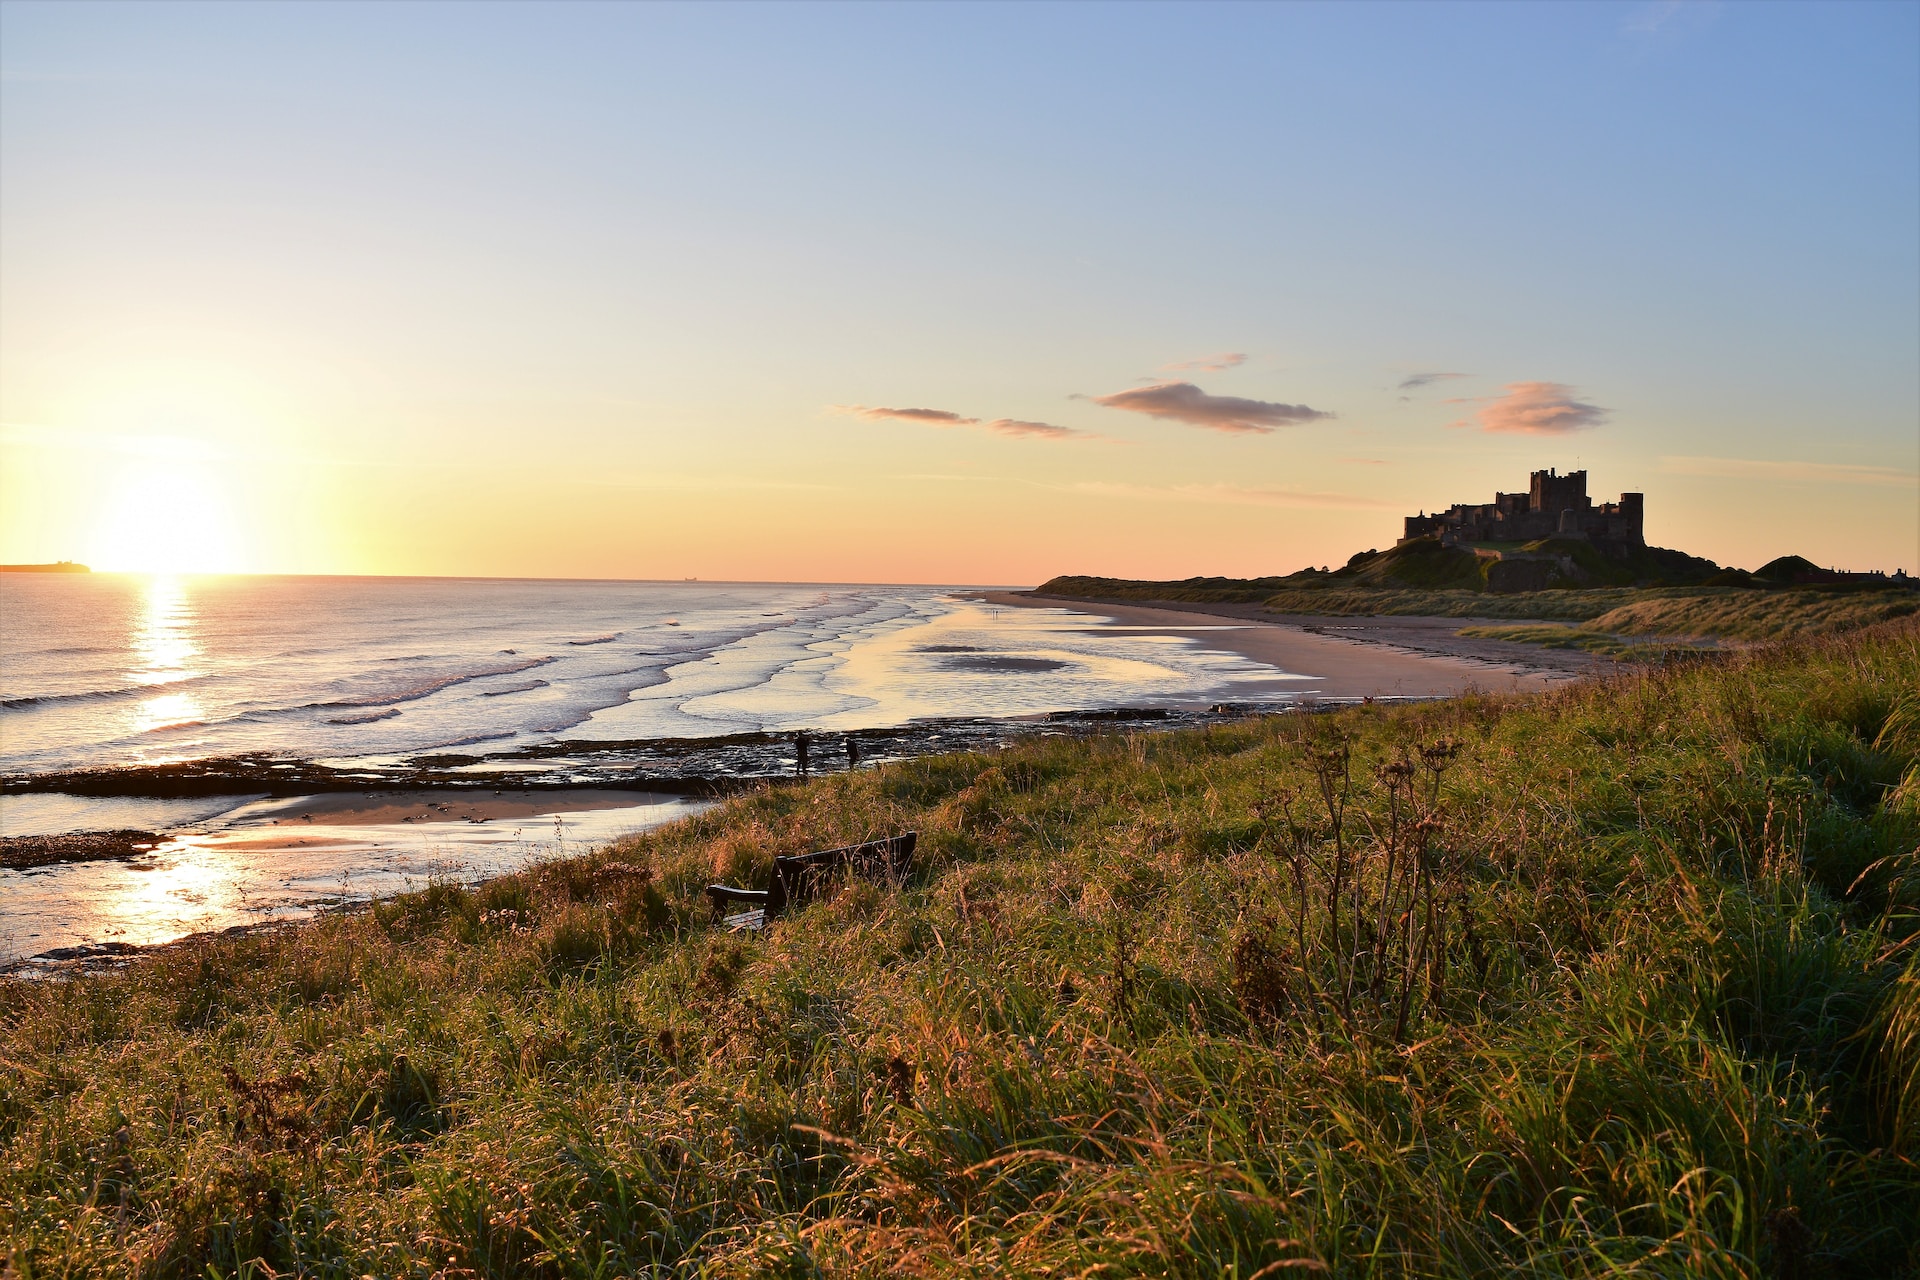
x=1805 y=472
x=1014 y=427
x=1235 y=494
x=1540 y=409
x=1037 y=430
x=1414 y=381
x=1184 y=402
x=1208 y=364
x=938 y=417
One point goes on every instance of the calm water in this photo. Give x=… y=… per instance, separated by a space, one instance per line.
x=106 y=671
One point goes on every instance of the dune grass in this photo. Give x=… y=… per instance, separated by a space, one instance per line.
x=1552 y=606
x=1733 y=613
x=1756 y=615
x=1554 y=635
x=1617 y=980
x=1695 y=611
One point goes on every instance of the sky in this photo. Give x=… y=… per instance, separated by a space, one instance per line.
x=947 y=293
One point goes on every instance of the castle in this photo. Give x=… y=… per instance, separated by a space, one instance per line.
x=1554 y=506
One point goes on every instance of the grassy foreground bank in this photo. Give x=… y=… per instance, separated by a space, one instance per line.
x=1612 y=981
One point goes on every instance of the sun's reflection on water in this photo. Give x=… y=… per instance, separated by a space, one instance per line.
x=163 y=652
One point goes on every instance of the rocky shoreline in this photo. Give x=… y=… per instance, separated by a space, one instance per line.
x=691 y=767
x=23 y=853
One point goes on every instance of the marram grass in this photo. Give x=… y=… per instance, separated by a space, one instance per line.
x=1728 y=613
x=1615 y=981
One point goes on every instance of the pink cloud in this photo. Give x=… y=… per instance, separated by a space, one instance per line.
x=1035 y=430
x=1540 y=409
x=1184 y=402
x=938 y=417
x=1014 y=427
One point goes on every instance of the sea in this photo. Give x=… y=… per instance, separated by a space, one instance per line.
x=278 y=679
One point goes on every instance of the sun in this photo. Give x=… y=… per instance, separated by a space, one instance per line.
x=166 y=511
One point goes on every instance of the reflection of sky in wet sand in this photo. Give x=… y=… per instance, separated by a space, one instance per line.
x=1048 y=660
x=249 y=874
x=951 y=658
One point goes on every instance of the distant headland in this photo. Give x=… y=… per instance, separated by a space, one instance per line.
x=1548 y=554
x=58 y=566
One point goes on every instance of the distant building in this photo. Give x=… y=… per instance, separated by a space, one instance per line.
x=1554 y=506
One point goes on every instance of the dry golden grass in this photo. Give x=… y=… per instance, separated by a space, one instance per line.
x=1610 y=981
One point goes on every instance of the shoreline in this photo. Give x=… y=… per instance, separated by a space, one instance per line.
x=295 y=830
x=268 y=862
x=1347 y=657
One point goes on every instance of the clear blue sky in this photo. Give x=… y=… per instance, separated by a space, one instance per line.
x=603 y=288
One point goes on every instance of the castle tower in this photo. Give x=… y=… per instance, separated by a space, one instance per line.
x=1630 y=526
x=1551 y=493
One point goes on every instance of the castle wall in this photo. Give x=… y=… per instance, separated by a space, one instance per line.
x=1553 y=505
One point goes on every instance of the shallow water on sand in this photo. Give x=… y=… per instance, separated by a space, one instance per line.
x=240 y=869
x=111 y=670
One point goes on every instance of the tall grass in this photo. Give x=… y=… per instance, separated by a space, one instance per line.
x=1554 y=635
x=1757 y=615
x=1138 y=1011
x=1724 y=612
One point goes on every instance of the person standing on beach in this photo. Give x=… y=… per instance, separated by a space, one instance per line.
x=800 y=753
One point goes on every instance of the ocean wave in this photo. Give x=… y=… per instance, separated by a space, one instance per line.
x=606 y=639
x=25 y=700
x=193 y=722
x=433 y=685
x=387 y=714
x=512 y=688
x=475 y=738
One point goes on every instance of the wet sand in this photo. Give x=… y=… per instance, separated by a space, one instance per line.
x=245 y=869
x=420 y=805
x=1357 y=665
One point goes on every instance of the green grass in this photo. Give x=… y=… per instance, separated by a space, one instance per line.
x=1186 y=590
x=1617 y=980
x=1756 y=615
x=1422 y=566
x=1553 y=635
x=1721 y=612
x=1558 y=606
x=1724 y=612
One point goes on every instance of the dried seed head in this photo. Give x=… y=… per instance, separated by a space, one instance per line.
x=900 y=1074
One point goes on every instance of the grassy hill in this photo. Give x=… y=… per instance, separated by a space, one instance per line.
x=1614 y=981
x=1660 y=592
x=1423 y=565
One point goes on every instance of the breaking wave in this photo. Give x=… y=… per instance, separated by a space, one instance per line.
x=23 y=701
x=428 y=687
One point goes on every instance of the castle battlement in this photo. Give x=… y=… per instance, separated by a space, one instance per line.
x=1554 y=506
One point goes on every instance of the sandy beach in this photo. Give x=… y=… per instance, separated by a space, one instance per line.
x=283 y=859
x=421 y=805
x=1390 y=658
